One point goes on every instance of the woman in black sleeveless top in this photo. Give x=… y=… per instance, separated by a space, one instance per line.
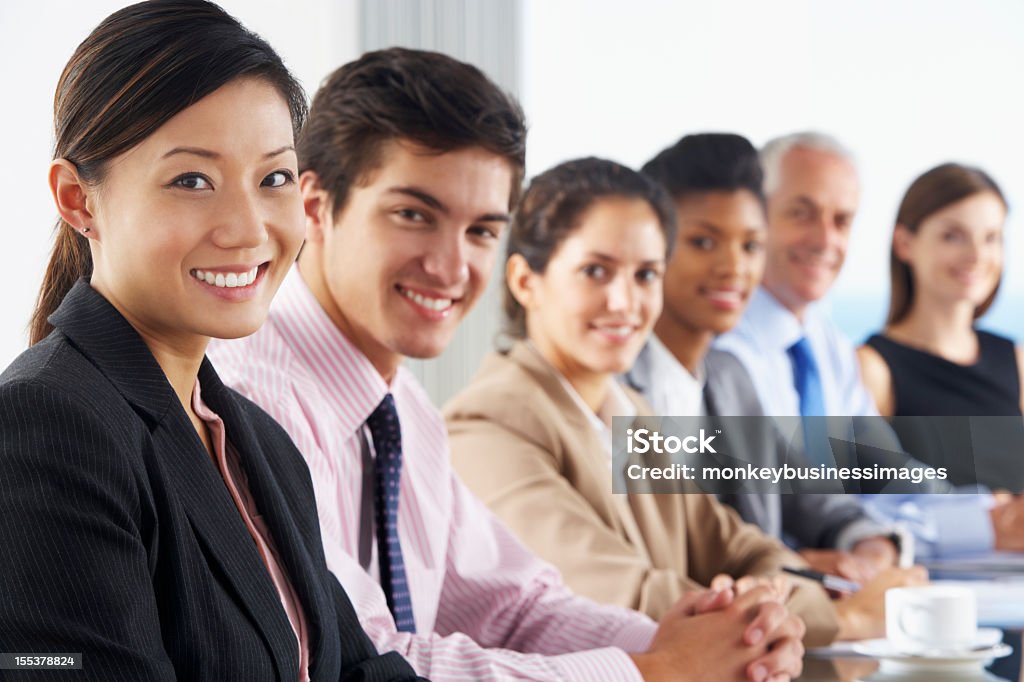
x=927 y=384
x=930 y=360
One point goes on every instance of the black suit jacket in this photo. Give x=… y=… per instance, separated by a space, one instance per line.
x=120 y=540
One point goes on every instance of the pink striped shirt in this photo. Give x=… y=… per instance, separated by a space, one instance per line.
x=486 y=608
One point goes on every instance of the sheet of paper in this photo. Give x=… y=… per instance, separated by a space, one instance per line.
x=989 y=564
x=1000 y=601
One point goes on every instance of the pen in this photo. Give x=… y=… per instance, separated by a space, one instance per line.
x=831 y=582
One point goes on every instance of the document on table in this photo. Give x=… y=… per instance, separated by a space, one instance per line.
x=1000 y=601
x=988 y=564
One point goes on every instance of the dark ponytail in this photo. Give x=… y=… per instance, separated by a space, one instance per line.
x=139 y=68
x=70 y=261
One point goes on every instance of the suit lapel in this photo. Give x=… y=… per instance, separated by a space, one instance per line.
x=587 y=441
x=753 y=507
x=275 y=506
x=638 y=508
x=710 y=402
x=226 y=539
x=102 y=334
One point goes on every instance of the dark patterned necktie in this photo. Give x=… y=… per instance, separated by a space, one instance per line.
x=387 y=441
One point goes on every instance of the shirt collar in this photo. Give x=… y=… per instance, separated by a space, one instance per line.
x=663 y=362
x=346 y=377
x=771 y=322
x=616 y=403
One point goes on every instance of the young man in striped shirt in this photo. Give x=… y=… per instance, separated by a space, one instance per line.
x=411 y=162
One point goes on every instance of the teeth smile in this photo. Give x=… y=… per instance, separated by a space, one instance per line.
x=814 y=261
x=228 y=280
x=617 y=331
x=429 y=303
x=723 y=295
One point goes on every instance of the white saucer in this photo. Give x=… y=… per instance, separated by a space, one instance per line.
x=987 y=646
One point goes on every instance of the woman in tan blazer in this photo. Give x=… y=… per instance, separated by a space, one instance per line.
x=531 y=433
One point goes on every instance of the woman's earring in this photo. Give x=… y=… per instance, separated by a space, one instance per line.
x=86 y=230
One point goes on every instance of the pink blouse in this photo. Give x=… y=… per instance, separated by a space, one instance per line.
x=234 y=477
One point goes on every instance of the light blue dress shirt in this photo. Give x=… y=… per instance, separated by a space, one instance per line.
x=943 y=525
x=760 y=341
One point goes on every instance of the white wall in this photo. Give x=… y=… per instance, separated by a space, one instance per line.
x=313 y=37
x=906 y=84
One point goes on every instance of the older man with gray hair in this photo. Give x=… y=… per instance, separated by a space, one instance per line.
x=813 y=191
x=799 y=361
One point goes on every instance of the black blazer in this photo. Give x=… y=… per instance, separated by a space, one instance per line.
x=119 y=539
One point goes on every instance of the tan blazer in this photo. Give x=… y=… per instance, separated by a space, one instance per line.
x=522 y=444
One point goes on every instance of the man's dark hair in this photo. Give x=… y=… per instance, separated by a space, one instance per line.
x=708 y=162
x=424 y=97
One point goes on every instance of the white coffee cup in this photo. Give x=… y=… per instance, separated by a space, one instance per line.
x=931 y=618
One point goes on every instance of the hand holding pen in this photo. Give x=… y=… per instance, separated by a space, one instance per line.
x=829 y=582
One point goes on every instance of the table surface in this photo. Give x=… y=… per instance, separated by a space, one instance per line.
x=867 y=670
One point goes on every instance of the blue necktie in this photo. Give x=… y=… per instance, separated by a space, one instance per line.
x=387 y=441
x=807 y=381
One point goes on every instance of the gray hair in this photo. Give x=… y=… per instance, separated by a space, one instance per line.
x=775 y=150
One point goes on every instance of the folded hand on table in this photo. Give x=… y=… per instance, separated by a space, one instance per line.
x=781 y=584
x=718 y=636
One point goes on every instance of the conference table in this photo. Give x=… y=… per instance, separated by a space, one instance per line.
x=998 y=582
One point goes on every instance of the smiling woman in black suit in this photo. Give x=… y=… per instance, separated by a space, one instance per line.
x=152 y=519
